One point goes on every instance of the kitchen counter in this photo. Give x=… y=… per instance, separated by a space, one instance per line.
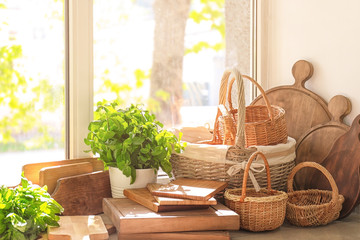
x=348 y=228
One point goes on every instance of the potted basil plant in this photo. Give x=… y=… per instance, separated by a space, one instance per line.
x=132 y=144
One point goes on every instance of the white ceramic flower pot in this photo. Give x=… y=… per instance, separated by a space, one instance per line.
x=119 y=182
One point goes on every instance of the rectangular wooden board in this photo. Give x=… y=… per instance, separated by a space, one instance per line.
x=127 y=216
x=49 y=175
x=208 y=235
x=79 y=227
x=144 y=197
x=196 y=189
x=31 y=170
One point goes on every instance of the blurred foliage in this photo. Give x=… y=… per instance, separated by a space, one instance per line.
x=211 y=11
x=23 y=102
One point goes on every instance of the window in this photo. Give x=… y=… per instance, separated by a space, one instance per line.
x=167 y=55
x=32 y=126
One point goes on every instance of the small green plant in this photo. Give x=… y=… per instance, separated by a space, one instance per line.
x=131 y=139
x=26 y=211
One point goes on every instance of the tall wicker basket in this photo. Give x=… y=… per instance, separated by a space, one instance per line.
x=313 y=207
x=259 y=211
x=211 y=166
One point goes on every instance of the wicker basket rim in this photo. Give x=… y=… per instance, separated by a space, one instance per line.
x=339 y=200
x=279 y=196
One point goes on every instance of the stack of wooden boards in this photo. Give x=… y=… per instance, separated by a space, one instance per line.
x=182 y=209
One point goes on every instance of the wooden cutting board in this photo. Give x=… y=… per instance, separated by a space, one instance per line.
x=187 y=188
x=343 y=163
x=49 y=175
x=79 y=227
x=303 y=108
x=83 y=194
x=144 y=197
x=127 y=216
x=316 y=143
x=31 y=171
x=208 y=235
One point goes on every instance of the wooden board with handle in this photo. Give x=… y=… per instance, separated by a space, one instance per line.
x=144 y=197
x=343 y=163
x=208 y=235
x=316 y=143
x=83 y=194
x=196 y=189
x=127 y=216
x=303 y=108
x=49 y=175
x=79 y=227
x=31 y=170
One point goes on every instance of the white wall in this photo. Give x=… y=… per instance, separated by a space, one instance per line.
x=323 y=32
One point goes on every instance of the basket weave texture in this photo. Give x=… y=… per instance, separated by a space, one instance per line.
x=258 y=211
x=264 y=124
x=190 y=167
x=313 y=207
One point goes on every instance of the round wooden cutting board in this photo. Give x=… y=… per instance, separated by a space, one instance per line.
x=303 y=108
x=316 y=143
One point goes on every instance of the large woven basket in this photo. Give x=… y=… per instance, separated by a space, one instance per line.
x=313 y=207
x=259 y=211
x=209 y=165
x=264 y=124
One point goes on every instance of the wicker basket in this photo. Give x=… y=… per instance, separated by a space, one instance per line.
x=313 y=207
x=210 y=166
x=258 y=211
x=264 y=124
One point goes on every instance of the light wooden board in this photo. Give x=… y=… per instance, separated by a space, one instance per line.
x=31 y=171
x=79 y=227
x=208 y=235
x=195 y=189
x=83 y=194
x=144 y=197
x=49 y=175
x=316 y=143
x=128 y=216
x=183 y=201
x=303 y=108
x=343 y=163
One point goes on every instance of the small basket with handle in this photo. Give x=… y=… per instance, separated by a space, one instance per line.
x=258 y=210
x=313 y=207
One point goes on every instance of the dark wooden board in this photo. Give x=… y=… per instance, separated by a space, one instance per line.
x=83 y=194
x=196 y=189
x=49 y=175
x=316 y=143
x=144 y=197
x=303 y=108
x=130 y=217
x=343 y=163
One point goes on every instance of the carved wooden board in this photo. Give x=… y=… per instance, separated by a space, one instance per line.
x=343 y=163
x=316 y=143
x=303 y=108
x=49 y=175
x=79 y=227
x=83 y=194
x=130 y=217
x=144 y=197
x=196 y=189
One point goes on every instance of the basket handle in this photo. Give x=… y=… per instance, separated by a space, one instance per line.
x=266 y=99
x=335 y=191
x=246 y=173
x=240 y=134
